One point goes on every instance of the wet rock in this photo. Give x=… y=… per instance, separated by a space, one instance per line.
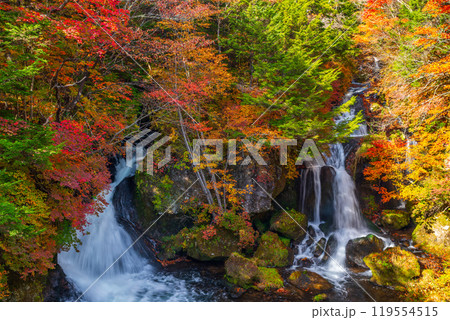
x=395 y=219
x=327 y=175
x=320 y=246
x=271 y=252
x=290 y=224
x=309 y=281
x=241 y=271
x=219 y=247
x=393 y=267
x=330 y=247
x=357 y=249
x=434 y=235
x=236 y=292
x=325 y=227
x=58 y=288
x=311 y=232
x=269 y=279
x=305 y=263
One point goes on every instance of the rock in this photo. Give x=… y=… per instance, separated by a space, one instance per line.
x=271 y=182
x=320 y=246
x=218 y=248
x=357 y=249
x=393 y=267
x=58 y=288
x=156 y=194
x=311 y=232
x=311 y=235
x=330 y=247
x=269 y=279
x=309 y=281
x=271 y=252
x=172 y=246
x=395 y=219
x=327 y=210
x=434 y=235
x=290 y=224
x=241 y=271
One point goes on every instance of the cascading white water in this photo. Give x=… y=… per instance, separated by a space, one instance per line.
x=132 y=277
x=347 y=220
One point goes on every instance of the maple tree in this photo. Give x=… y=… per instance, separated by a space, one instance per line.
x=412 y=41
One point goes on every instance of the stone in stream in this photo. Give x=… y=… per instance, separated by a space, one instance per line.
x=320 y=246
x=395 y=219
x=291 y=224
x=244 y=273
x=309 y=281
x=330 y=247
x=271 y=252
x=393 y=267
x=357 y=249
x=241 y=271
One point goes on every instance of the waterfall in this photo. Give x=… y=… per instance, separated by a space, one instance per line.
x=347 y=222
x=93 y=268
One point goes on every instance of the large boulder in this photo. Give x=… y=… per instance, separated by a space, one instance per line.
x=271 y=252
x=309 y=281
x=357 y=249
x=395 y=219
x=219 y=247
x=270 y=180
x=241 y=271
x=269 y=279
x=434 y=235
x=290 y=224
x=393 y=267
x=244 y=272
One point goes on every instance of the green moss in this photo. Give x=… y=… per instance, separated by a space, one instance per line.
x=269 y=279
x=320 y=297
x=241 y=271
x=219 y=247
x=291 y=224
x=393 y=267
x=271 y=252
x=395 y=219
x=286 y=241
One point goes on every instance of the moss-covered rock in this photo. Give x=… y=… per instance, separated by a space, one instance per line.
x=271 y=252
x=357 y=249
x=241 y=271
x=218 y=248
x=290 y=224
x=172 y=246
x=269 y=279
x=393 y=267
x=309 y=281
x=395 y=219
x=434 y=235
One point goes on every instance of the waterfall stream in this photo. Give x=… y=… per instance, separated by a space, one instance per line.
x=323 y=249
x=130 y=278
